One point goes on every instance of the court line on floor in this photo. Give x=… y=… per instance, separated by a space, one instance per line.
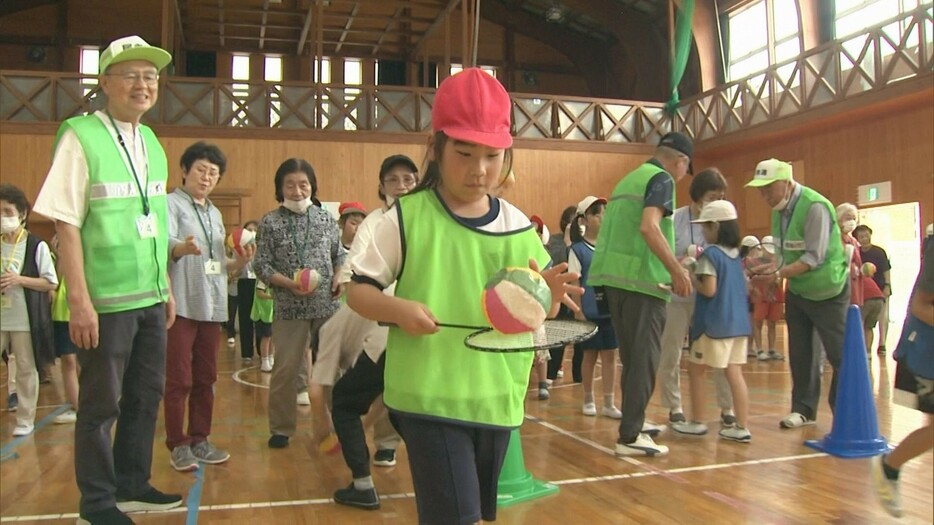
x=42 y=423
x=194 y=497
x=236 y=377
x=408 y=495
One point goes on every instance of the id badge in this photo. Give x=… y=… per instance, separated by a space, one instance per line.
x=6 y=301
x=146 y=226
x=251 y=274
x=212 y=267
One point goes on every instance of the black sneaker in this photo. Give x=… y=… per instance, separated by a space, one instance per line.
x=278 y=441
x=12 y=402
x=385 y=458
x=676 y=417
x=111 y=516
x=727 y=420
x=364 y=499
x=152 y=500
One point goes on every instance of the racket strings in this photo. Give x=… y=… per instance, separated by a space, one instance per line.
x=554 y=332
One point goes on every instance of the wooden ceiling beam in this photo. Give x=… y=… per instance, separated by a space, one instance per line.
x=391 y=22
x=220 y=20
x=350 y=19
x=305 y=27
x=396 y=17
x=8 y=7
x=242 y=11
x=435 y=24
x=262 y=29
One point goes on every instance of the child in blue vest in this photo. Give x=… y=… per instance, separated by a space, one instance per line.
x=603 y=345
x=454 y=407
x=720 y=329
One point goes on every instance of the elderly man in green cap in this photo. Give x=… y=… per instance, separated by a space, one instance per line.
x=106 y=193
x=805 y=229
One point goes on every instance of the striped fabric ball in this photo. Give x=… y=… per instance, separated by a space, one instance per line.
x=516 y=300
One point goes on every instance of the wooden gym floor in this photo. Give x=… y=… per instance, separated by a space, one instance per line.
x=773 y=480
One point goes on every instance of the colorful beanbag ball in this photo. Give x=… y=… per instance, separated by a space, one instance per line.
x=868 y=269
x=307 y=278
x=516 y=300
x=239 y=238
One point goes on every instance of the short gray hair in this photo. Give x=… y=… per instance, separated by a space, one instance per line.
x=845 y=207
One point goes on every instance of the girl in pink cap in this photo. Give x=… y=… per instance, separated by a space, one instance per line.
x=454 y=407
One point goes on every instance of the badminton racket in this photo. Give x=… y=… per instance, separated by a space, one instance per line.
x=764 y=259
x=553 y=332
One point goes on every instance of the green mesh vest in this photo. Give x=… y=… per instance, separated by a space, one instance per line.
x=622 y=259
x=123 y=271
x=828 y=279
x=446 y=266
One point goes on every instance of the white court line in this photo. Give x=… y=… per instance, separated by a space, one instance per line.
x=407 y=495
x=236 y=377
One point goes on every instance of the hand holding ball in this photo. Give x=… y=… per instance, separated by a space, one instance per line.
x=516 y=300
x=694 y=251
x=868 y=269
x=307 y=279
x=239 y=238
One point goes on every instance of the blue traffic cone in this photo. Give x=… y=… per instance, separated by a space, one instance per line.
x=516 y=484
x=855 y=432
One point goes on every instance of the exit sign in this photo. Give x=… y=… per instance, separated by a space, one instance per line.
x=875 y=193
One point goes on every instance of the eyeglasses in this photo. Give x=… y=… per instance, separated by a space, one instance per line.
x=201 y=169
x=131 y=78
x=404 y=181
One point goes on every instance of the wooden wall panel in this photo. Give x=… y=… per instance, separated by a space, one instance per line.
x=896 y=147
x=548 y=179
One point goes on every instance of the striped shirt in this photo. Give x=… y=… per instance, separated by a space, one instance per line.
x=198 y=296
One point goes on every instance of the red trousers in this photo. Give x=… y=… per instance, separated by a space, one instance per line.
x=190 y=374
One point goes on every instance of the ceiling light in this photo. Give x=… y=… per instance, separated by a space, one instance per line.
x=554 y=14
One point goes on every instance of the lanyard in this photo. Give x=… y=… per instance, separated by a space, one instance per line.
x=209 y=231
x=9 y=261
x=782 y=227
x=143 y=195
x=691 y=224
x=299 y=248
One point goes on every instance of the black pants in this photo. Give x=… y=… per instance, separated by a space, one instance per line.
x=557 y=358
x=353 y=394
x=231 y=325
x=121 y=381
x=638 y=321
x=249 y=342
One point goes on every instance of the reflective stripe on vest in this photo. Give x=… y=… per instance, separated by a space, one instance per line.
x=122 y=190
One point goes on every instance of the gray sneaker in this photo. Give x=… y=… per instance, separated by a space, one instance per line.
x=208 y=453
x=183 y=460
x=693 y=428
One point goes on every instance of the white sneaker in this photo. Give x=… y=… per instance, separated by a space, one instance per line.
x=22 y=429
x=231 y=341
x=738 y=434
x=611 y=412
x=652 y=429
x=560 y=374
x=795 y=420
x=69 y=416
x=265 y=365
x=303 y=399
x=763 y=356
x=692 y=428
x=589 y=409
x=886 y=489
x=642 y=446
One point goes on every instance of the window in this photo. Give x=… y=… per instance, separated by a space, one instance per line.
x=325 y=71
x=89 y=67
x=489 y=70
x=353 y=76
x=763 y=33
x=240 y=70
x=272 y=72
x=853 y=16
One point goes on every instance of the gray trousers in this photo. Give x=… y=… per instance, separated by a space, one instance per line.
x=678 y=321
x=638 y=321
x=121 y=381
x=291 y=338
x=804 y=318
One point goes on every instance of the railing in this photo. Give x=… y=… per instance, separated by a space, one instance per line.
x=896 y=50
x=52 y=97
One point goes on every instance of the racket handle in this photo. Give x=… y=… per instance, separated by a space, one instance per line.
x=666 y=287
x=442 y=325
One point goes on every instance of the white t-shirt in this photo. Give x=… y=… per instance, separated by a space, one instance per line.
x=383 y=258
x=574 y=264
x=15 y=318
x=360 y=241
x=64 y=195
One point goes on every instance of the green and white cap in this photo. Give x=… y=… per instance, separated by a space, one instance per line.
x=769 y=171
x=133 y=48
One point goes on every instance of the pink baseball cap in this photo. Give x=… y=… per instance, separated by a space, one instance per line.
x=472 y=106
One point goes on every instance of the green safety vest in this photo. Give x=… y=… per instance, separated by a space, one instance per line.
x=123 y=271
x=622 y=259
x=60 y=310
x=446 y=267
x=262 y=308
x=828 y=279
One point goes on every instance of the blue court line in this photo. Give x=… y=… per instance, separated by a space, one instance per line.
x=13 y=445
x=4 y=459
x=194 y=496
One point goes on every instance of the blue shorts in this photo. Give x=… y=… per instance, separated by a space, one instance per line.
x=455 y=468
x=63 y=344
x=605 y=338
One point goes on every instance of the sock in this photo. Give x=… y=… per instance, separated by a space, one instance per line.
x=727 y=412
x=890 y=473
x=363 y=483
x=542 y=385
x=608 y=400
x=588 y=397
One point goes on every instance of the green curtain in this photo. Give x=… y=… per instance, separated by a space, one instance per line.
x=682 y=43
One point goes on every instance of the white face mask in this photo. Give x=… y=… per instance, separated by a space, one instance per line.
x=848 y=226
x=297 y=206
x=9 y=224
x=782 y=204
